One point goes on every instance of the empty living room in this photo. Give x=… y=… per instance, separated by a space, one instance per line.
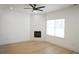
x=39 y=28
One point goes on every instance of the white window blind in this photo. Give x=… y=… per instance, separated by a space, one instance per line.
x=56 y=27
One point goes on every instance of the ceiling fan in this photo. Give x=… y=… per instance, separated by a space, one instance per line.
x=35 y=7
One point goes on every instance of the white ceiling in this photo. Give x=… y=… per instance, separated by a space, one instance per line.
x=20 y=7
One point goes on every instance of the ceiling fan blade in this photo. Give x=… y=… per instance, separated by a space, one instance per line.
x=27 y=8
x=31 y=5
x=41 y=7
x=40 y=10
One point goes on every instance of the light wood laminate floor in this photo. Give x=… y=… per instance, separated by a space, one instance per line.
x=33 y=47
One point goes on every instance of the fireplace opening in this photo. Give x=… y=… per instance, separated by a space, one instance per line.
x=37 y=34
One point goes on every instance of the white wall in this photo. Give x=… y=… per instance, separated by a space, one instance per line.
x=71 y=15
x=37 y=24
x=14 y=26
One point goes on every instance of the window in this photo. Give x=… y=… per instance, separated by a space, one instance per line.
x=55 y=28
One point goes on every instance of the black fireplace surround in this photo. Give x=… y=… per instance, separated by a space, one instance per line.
x=37 y=34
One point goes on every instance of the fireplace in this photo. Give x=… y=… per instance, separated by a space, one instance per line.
x=37 y=34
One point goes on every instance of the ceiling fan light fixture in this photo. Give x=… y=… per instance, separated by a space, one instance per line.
x=34 y=11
